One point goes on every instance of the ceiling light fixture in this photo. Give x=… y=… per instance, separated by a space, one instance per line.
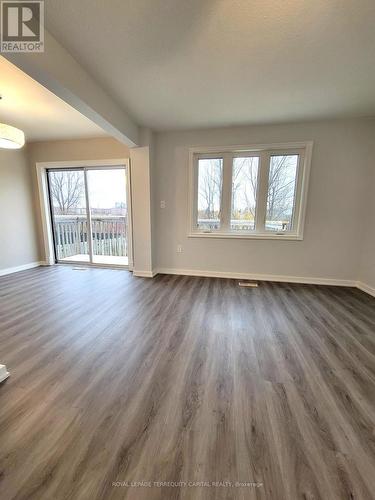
x=11 y=137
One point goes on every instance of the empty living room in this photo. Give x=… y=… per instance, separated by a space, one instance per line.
x=187 y=250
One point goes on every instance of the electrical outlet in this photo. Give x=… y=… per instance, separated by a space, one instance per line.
x=179 y=248
x=162 y=204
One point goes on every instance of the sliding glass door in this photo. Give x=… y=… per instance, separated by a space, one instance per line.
x=69 y=214
x=108 y=213
x=90 y=217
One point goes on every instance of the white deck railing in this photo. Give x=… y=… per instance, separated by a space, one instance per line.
x=109 y=235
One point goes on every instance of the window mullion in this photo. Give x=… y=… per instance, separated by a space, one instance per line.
x=298 y=193
x=261 y=206
x=226 y=200
x=194 y=186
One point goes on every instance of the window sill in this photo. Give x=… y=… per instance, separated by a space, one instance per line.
x=247 y=236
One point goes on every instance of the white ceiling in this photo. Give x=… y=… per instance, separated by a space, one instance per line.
x=188 y=63
x=40 y=114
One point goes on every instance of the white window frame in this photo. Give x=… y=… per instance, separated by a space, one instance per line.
x=264 y=151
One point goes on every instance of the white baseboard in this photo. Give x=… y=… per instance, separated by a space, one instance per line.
x=144 y=274
x=11 y=270
x=218 y=274
x=366 y=288
x=258 y=277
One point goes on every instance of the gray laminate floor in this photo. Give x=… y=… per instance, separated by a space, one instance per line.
x=193 y=382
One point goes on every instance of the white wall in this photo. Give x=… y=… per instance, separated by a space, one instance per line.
x=338 y=243
x=18 y=237
x=102 y=149
x=336 y=203
x=367 y=269
x=147 y=139
x=141 y=210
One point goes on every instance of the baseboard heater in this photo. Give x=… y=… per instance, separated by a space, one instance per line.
x=3 y=373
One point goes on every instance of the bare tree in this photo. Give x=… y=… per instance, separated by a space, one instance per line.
x=245 y=181
x=210 y=184
x=67 y=189
x=281 y=187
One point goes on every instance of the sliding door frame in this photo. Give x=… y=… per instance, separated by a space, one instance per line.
x=45 y=206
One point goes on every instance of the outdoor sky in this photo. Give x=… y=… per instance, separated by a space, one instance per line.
x=106 y=187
